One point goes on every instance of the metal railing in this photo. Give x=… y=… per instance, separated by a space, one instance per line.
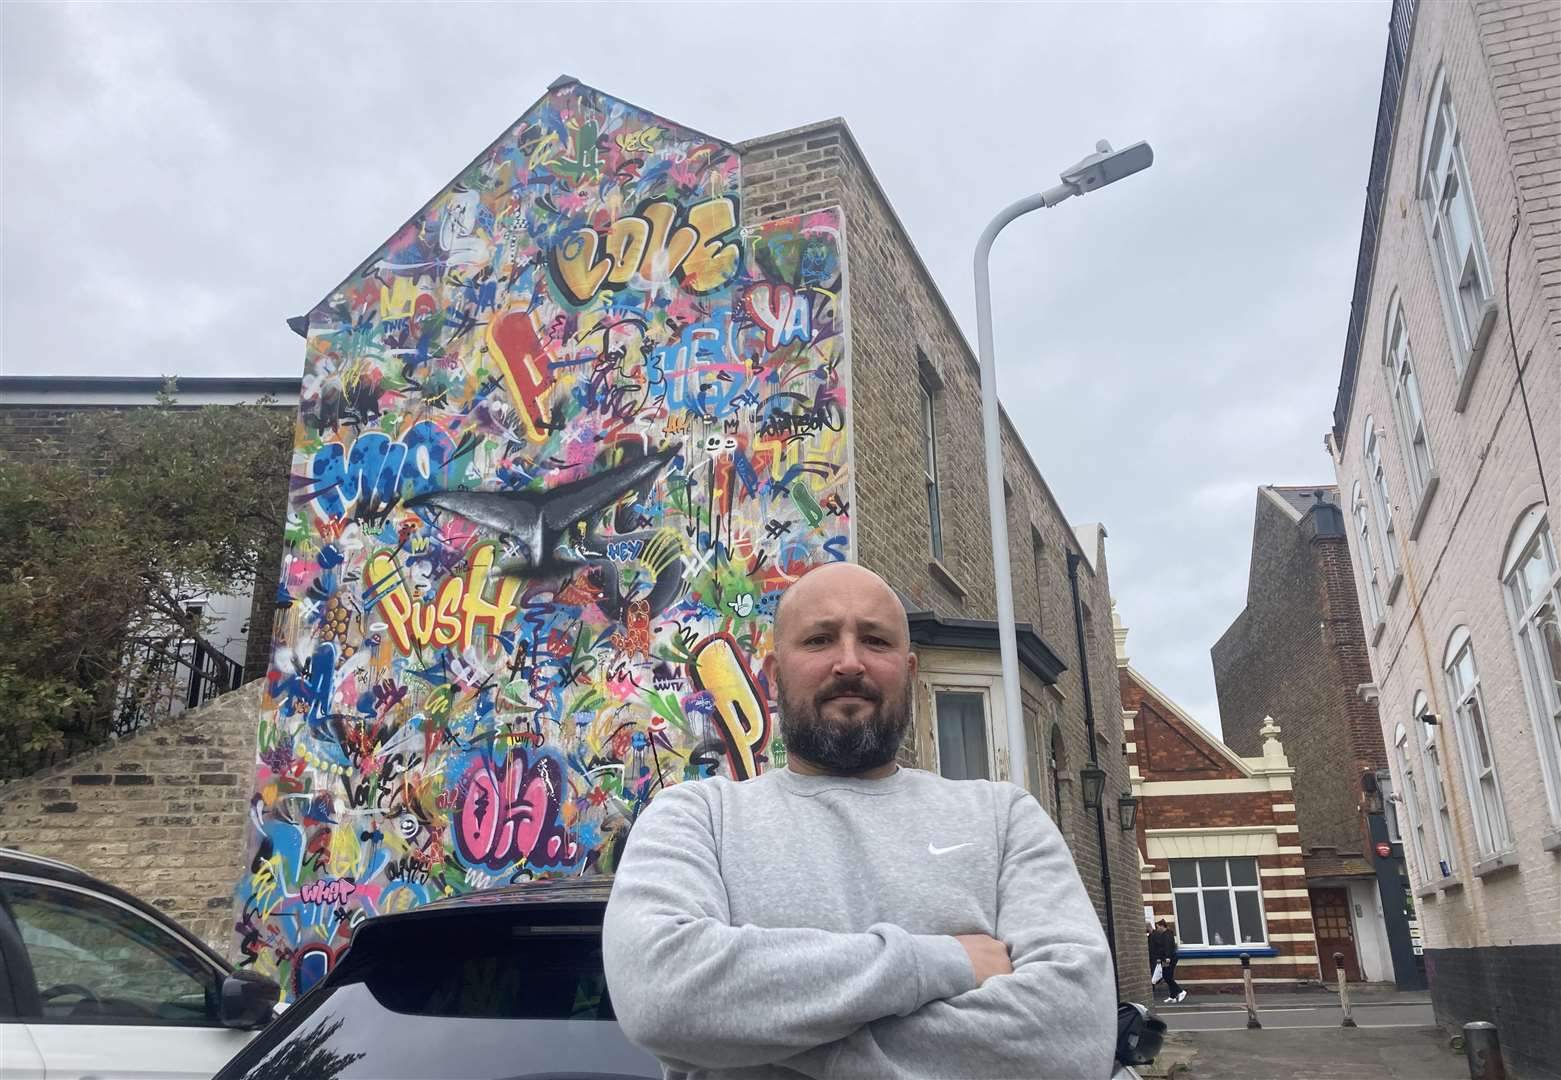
x=1400 y=25
x=168 y=676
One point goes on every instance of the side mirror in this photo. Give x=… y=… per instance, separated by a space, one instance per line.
x=247 y=1000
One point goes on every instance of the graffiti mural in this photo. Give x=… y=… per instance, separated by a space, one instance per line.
x=561 y=444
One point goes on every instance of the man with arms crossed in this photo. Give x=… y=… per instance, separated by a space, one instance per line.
x=844 y=917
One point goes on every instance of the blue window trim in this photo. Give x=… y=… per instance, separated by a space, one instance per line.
x=1194 y=952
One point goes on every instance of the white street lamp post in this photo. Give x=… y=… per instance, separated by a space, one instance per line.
x=1103 y=167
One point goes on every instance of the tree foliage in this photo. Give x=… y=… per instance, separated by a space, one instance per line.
x=106 y=534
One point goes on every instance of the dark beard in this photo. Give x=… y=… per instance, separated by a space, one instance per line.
x=853 y=747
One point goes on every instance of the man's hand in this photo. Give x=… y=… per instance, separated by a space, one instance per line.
x=988 y=956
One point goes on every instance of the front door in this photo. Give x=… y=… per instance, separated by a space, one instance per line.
x=1331 y=919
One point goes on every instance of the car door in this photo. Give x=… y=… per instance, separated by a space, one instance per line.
x=111 y=994
x=19 y=1058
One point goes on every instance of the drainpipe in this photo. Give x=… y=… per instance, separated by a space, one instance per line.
x=1094 y=759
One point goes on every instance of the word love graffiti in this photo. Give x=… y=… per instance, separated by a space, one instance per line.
x=509 y=814
x=645 y=249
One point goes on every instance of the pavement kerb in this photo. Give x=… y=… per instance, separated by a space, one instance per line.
x=1287 y=1002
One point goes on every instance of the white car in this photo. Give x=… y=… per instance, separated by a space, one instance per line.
x=94 y=983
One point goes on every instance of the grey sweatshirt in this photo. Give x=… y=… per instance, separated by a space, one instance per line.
x=801 y=925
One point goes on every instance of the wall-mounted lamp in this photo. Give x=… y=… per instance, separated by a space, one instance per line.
x=1127 y=812
x=1093 y=780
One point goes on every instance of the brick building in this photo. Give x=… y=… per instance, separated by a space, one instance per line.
x=1297 y=653
x=1446 y=443
x=917 y=509
x=1218 y=837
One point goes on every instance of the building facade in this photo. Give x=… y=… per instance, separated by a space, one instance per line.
x=1447 y=448
x=1219 y=842
x=563 y=440
x=1297 y=653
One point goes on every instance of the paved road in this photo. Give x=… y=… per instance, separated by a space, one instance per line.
x=1296 y=1016
x=1305 y=1042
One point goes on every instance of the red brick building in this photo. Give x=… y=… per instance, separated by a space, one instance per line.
x=1217 y=839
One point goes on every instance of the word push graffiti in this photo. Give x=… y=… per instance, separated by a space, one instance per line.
x=562 y=443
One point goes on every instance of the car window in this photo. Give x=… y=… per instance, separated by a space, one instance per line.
x=96 y=962
x=514 y=1002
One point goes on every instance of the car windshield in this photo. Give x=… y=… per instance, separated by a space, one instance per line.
x=457 y=1002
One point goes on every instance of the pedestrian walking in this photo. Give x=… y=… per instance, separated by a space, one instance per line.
x=1162 y=952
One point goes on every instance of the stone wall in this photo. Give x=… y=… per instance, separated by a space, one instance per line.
x=160 y=813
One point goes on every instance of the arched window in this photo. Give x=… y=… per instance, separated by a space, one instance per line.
x=1532 y=580
x=1453 y=229
x=1422 y=849
x=1058 y=762
x=1377 y=482
x=1474 y=745
x=1408 y=414
x=1368 y=563
x=1436 y=791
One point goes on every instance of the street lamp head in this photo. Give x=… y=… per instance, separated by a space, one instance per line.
x=1104 y=166
x=1092 y=778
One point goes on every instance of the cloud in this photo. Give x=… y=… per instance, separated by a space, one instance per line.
x=181 y=178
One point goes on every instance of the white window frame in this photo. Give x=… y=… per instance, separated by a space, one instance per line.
x=1419 y=840
x=1448 y=208
x=1408 y=409
x=1390 y=801
x=1368 y=565
x=1471 y=727
x=984 y=690
x=1377 y=484
x=929 y=435
x=1229 y=889
x=1536 y=634
x=1436 y=791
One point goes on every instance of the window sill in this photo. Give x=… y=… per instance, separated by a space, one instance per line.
x=1471 y=367
x=1376 y=631
x=1504 y=860
x=1425 y=890
x=1196 y=952
x=1551 y=841
x=942 y=575
x=1450 y=884
x=1431 y=484
x=1394 y=586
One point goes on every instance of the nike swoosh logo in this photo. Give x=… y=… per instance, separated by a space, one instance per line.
x=943 y=850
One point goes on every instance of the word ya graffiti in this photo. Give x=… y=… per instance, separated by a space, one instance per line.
x=645 y=249
x=455 y=613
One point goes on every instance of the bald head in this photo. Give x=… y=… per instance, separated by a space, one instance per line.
x=842 y=668
x=861 y=590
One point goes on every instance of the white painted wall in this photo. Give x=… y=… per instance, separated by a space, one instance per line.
x=1371 y=934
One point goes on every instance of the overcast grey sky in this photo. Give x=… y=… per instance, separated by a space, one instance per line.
x=180 y=179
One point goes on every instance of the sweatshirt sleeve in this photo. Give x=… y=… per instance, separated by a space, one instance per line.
x=691 y=988
x=1055 y=1016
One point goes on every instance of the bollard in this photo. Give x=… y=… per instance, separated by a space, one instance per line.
x=1483 y=1049
x=1344 y=990
x=1246 y=983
